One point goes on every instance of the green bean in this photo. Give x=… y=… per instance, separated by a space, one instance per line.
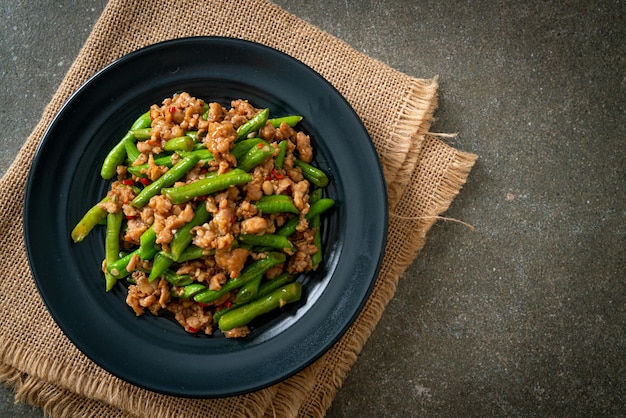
x=248 y=273
x=166 y=161
x=182 y=237
x=311 y=173
x=142 y=134
x=193 y=135
x=291 y=120
x=206 y=186
x=118 y=268
x=115 y=157
x=188 y=291
x=248 y=291
x=192 y=252
x=317 y=208
x=112 y=245
x=147 y=242
x=180 y=143
x=278 y=242
x=265 y=288
x=242 y=147
x=244 y=314
x=131 y=151
x=177 y=279
x=254 y=124
x=316 y=223
x=255 y=156
x=269 y=286
x=279 y=161
x=117 y=154
x=143 y=121
x=90 y=219
x=159 y=265
x=316 y=257
x=276 y=204
x=170 y=177
x=203 y=153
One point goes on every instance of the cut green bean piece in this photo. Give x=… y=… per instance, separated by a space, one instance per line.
x=112 y=245
x=147 y=242
x=177 y=279
x=276 y=204
x=242 y=147
x=269 y=286
x=255 y=156
x=278 y=242
x=248 y=291
x=244 y=314
x=159 y=265
x=170 y=177
x=279 y=161
x=291 y=120
x=205 y=186
x=180 y=143
x=182 y=237
x=248 y=273
x=188 y=291
x=254 y=124
x=143 y=121
x=142 y=134
x=90 y=219
x=316 y=208
x=311 y=173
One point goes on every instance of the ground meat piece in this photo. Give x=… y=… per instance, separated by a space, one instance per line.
x=300 y=196
x=118 y=195
x=134 y=231
x=299 y=262
x=303 y=144
x=219 y=140
x=216 y=112
x=238 y=332
x=254 y=225
x=254 y=190
x=232 y=261
x=193 y=317
x=267 y=132
x=217 y=280
x=285 y=132
x=147 y=295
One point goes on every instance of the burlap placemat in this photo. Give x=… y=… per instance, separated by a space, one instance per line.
x=423 y=175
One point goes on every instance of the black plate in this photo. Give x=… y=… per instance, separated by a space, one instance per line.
x=154 y=352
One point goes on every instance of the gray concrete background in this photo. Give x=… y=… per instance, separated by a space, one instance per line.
x=525 y=315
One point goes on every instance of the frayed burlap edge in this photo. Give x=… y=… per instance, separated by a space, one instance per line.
x=52 y=400
x=399 y=155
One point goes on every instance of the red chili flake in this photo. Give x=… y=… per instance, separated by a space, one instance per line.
x=129 y=217
x=145 y=181
x=201 y=198
x=268 y=178
x=173 y=109
x=276 y=174
x=204 y=305
x=219 y=308
x=228 y=304
x=259 y=145
x=128 y=182
x=192 y=329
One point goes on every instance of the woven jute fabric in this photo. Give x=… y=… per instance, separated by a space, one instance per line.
x=423 y=175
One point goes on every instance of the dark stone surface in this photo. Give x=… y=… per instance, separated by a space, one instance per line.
x=523 y=316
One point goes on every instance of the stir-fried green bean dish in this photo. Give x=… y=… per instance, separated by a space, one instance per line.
x=212 y=214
